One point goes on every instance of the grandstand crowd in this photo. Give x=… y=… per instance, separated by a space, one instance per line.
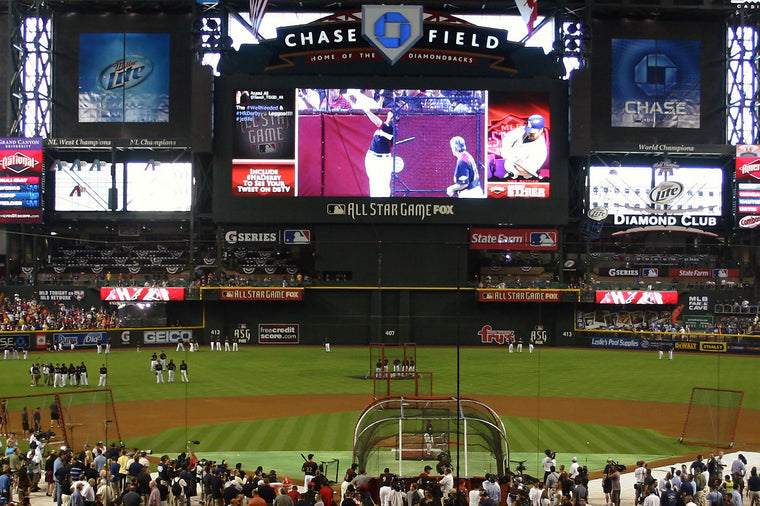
x=21 y=314
x=115 y=475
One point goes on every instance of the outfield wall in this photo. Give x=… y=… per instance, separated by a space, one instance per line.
x=355 y=316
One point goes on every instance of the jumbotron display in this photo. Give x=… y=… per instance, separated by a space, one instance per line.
x=312 y=147
x=668 y=197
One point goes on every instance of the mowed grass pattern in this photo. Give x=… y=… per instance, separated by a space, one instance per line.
x=289 y=373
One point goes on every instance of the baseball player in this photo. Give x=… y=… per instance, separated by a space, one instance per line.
x=183 y=372
x=524 y=149
x=170 y=367
x=378 y=161
x=103 y=376
x=466 y=177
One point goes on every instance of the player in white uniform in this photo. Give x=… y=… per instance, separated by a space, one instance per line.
x=378 y=162
x=524 y=150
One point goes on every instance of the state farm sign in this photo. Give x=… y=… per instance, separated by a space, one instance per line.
x=635 y=297
x=513 y=239
x=146 y=294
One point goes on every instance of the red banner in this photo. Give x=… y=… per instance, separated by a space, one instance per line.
x=513 y=238
x=519 y=296
x=261 y=294
x=635 y=297
x=142 y=294
x=263 y=178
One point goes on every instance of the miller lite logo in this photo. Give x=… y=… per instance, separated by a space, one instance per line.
x=665 y=192
x=17 y=162
x=598 y=213
x=124 y=74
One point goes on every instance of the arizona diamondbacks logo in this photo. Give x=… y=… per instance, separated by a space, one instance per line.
x=392 y=29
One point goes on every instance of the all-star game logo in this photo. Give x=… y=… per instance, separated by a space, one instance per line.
x=18 y=163
x=392 y=29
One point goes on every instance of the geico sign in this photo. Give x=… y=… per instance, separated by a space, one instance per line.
x=166 y=336
x=13 y=341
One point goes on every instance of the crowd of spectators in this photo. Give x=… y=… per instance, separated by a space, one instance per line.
x=21 y=314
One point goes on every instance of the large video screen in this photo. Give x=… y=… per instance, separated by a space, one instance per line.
x=391 y=143
x=122 y=76
x=405 y=144
x=144 y=186
x=656 y=84
x=646 y=197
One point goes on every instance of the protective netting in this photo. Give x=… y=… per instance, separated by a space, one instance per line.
x=712 y=417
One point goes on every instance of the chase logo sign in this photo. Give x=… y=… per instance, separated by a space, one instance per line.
x=392 y=29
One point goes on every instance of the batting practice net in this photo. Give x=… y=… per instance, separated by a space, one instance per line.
x=400 y=432
x=712 y=417
x=385 y=359
x=412 y=384
x=84 y=416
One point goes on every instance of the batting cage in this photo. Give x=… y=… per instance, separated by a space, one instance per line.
x=64 y=418
x=712 y=417
x=403 y=432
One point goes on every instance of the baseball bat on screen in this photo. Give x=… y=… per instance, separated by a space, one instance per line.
x=405 y=140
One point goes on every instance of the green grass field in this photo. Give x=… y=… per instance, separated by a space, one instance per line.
x=298 y=371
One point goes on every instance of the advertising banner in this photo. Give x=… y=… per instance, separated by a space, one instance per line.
x=514 y=239
x=79 y=339
x=292 y=294
x=278 y=333
x=141 y=294
x=21 y=173
x=124 y=77
x=635 y=297
x=489 y=295
x=656 y=83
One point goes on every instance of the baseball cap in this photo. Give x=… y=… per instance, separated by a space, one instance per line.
x=534 y=124
x=428 y=468
x=575 y=459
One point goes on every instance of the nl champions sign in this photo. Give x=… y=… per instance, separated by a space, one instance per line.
x=392 y=30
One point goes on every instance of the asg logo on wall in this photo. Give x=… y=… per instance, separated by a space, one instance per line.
x=392 y=29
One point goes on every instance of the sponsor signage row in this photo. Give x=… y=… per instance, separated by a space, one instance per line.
x=513 y=239
x=293 y=294
x=644 y=344
x=635 y=297
x=144 y=294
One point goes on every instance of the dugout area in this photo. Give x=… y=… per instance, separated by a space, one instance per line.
x=402 y=432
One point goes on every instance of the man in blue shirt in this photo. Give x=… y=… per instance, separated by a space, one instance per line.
x=5 y=485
